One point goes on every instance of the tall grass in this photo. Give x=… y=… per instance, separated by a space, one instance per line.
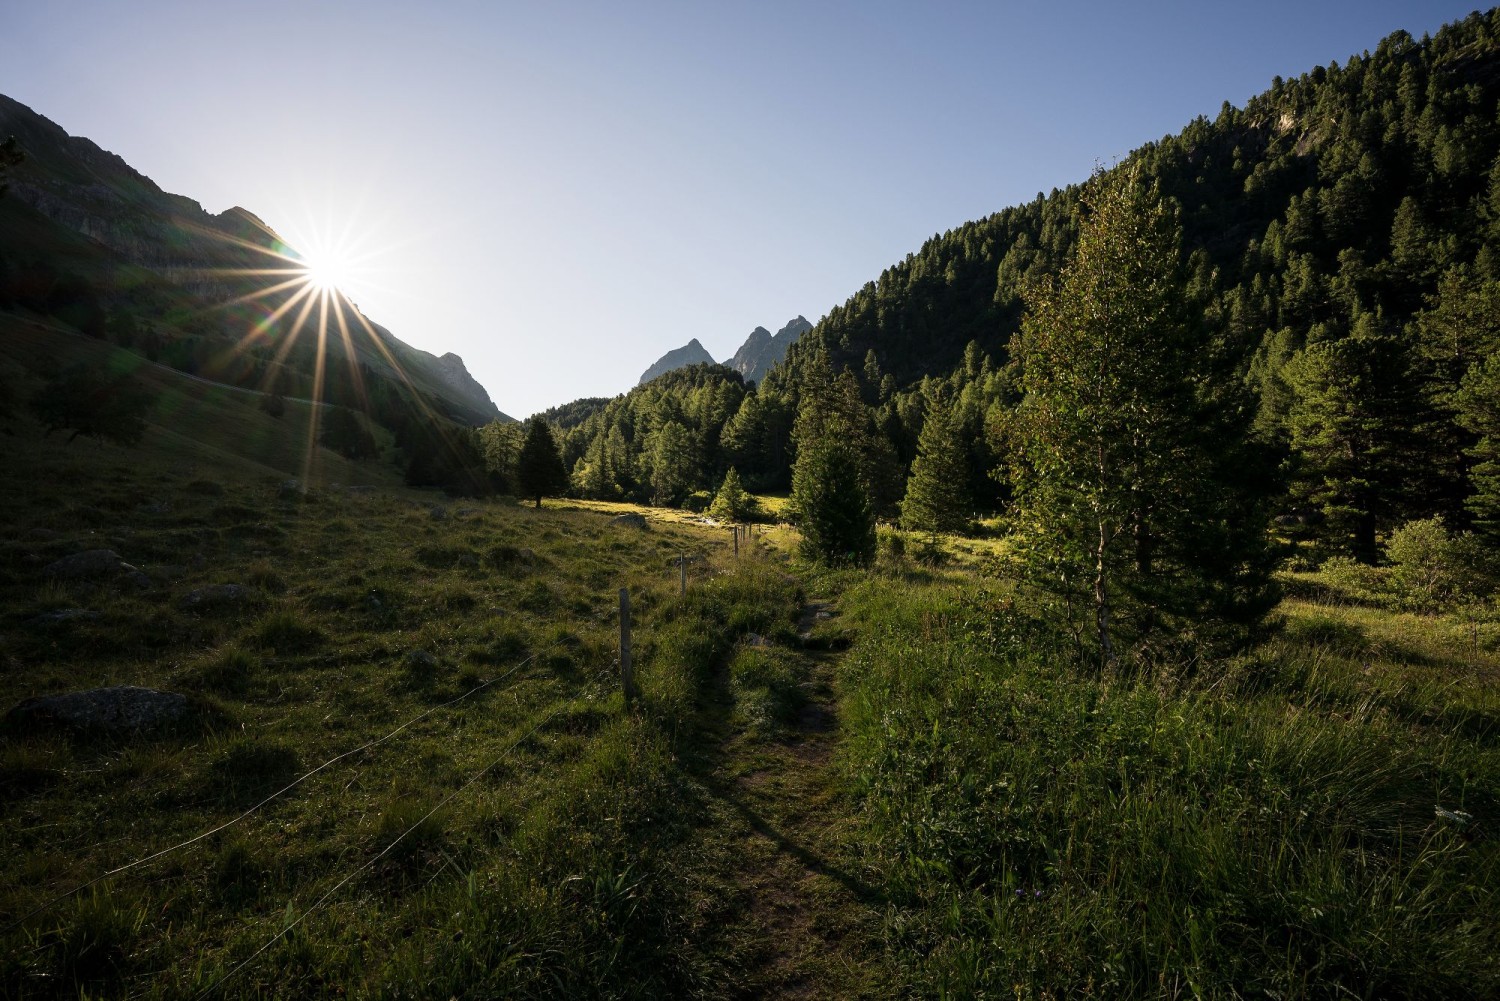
x=1048 y=832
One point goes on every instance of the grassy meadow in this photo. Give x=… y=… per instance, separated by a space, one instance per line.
x=1314 y=818
x=521 y=836
x=835 y=784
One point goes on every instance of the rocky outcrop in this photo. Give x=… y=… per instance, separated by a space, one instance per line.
x=450 y=368
x=691 y=353
x=762 y=349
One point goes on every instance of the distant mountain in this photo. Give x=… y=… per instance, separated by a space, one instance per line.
x=762 y=349
x=753 y=360
x=691 y=353
x=93 y=243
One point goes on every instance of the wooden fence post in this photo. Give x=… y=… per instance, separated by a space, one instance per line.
x=736 y=542
x=627 y=676
x=682 y=569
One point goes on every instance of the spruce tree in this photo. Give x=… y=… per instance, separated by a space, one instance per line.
x=539 y=468
x=937 y=496
x=835 y=518
x=732 y=503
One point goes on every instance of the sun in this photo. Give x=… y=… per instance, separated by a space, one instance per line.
x=327 y=270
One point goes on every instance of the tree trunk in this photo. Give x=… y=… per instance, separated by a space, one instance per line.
x=1364 y=538
x=539 y=502
x=1101 y=596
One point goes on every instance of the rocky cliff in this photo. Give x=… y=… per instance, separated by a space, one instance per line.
x=762 y=349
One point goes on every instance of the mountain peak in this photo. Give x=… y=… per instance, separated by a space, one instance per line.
x=691 y=353
x=761 y=349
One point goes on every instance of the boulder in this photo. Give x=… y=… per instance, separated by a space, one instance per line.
x=91 y=564
x=437 y=512
x=290 y=490
x=120 y=708
x=630 y=520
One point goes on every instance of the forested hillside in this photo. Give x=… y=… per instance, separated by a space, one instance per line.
x=1339 y=247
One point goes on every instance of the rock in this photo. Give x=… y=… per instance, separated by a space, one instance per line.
x=631 y=520
x=64 y=615
x=465 y=512
x=421 y=660
x=215 y=596
x=88 y=565
x=137 y=580
x=438 y=513
x=468 y=560
x=121 y=708
x=756 y=639
x=169 y=571
x=290 y=490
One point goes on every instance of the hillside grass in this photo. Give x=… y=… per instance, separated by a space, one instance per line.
x=527 y=840
x=1313 y=819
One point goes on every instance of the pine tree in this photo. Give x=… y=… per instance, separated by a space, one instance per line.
x=1356 y=424
x=937 y=495
x=539 y=468
x=1478 y=403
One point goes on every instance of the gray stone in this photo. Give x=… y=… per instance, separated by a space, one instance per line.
x=87 y=565
x=421 y=660
x=630 y=520
x=290 y=490
x=756 y=640
x=120 y=708
x=215 y=596
x=137 y=580
x=466 y=512
x=438 y=513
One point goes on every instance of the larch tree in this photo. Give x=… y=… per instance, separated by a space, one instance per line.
x=1116 y=452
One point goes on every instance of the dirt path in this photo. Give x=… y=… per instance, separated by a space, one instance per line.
x=801 y=922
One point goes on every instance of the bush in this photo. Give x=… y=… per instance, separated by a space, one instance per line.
x=1355 y=581
x=1433 y=569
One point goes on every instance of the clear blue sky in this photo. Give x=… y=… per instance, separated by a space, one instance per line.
x=561 y=192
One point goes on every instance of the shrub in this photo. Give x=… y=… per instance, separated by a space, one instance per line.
x=1354 y=581
x=1432 y=568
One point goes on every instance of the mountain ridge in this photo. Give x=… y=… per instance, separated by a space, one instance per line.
x=753 y=360
x=193 y=261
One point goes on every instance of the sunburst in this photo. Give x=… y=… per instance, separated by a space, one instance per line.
x=306 y=291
